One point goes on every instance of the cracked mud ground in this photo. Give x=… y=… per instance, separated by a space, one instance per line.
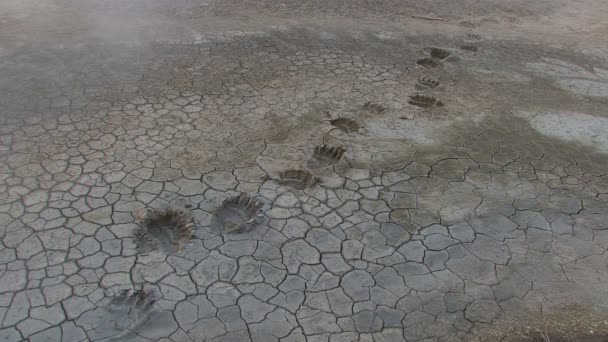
x=419 y=180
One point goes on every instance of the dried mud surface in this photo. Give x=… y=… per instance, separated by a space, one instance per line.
x=344 y=171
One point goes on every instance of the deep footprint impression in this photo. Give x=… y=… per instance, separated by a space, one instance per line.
x=297 y=179
x=328 y=154
x=119 y=317
x=425 y=83
x=238 y=214
x=424 y=101
x=346 y=125
x=165 y=230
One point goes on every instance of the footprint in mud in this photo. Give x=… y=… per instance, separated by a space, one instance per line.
x=472 y=37
x=165 y=230
x=427 y=62
x=328 y=154
x=439 y=53
x=425 y=83
x=238 y=214
x=297 y=179
x=345 y=125
x=424 y=101
x=467 y=23
x=373 y=107
x=469 y=48
x=121 y=317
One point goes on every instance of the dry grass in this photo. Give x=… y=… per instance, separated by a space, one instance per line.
x=568 y=324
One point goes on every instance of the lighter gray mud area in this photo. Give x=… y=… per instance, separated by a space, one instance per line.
x=217 y=173
x=579 y=128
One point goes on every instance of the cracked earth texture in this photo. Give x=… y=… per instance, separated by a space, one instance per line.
x=460 y=192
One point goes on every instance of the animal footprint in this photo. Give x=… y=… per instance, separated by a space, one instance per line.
x=165 y=230
x=125 y=312
x=430 y=63
x=424 y=101
x=374 y=107
x=439 y=53
x=328 y=154
x=345 y=125
x=468 y=47
x=297 y=179
x=239 y=213
x=426 y=83
x=472 y=36
x=467 y=23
